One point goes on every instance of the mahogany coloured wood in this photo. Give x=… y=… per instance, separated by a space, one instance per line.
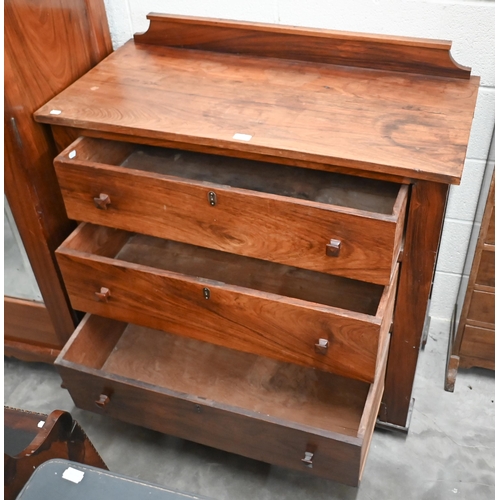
x=250 y=305
x=423 y=230
x=478 y=347
x=260 y=408
x=482 y=307
x=473 y=341
x=28 y=321
x=27 y=445
x=265 y=211
x=27 y=351
x=403 y=127
x=486 y=270
x=405 y=54
x=201 y=98
x=52 y=43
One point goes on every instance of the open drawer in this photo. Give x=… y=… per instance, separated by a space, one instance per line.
x=267 y=410
x=318 y=220
x=289 y=314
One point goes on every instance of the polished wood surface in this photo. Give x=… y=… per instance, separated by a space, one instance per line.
x=265 y=211
x=258 y=407
x=48 y=45
x=486 y=270
x=28 y=321
x=27 y=351
x=245 y=304
x=478 y=347
x=27 y=445
x=396 y=123
x=405 y=54
x=405 y=127
x=423 y=230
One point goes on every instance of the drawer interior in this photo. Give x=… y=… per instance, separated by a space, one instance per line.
x=218 y=376
x=301 y=183
x=225 y=268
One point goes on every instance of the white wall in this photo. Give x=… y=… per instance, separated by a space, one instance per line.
x=469 y=24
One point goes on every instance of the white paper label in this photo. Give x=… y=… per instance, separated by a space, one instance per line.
x=55 y=111
x=41 y=424
x=73 y=475
x=242 y=137
x=72 y=154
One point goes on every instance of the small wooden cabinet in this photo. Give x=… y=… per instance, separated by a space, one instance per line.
x=258 y=205
x=474 y=341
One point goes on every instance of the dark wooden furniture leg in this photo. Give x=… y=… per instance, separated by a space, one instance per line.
x=425 y=219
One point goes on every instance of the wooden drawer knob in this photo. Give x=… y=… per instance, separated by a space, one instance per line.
x=321 y=347
x=333 y=248
x=103 y=401
x=103 y=295
x=102 y=201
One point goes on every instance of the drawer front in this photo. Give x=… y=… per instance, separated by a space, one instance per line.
x=254 y=414
x=353 y=243
x=482 y=307
x=252 y=321
x=486 y=270
x=490 y=235
x=478 y=343
x=195 y=420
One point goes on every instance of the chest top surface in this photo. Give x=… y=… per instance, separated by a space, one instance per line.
x=396 y=121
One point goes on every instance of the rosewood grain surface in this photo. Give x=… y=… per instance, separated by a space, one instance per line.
x=423 y=230
x=409 y=55
x=28 y=321
x=473 y=342
x=27 y=446
x=486 y=271
x=482 y=307
x=478 y=347
x=400 y=124
x=27 y=351
x=260 y=408
x=271 y=212
x=245 y=308
x=404 y=127
x=48 y=45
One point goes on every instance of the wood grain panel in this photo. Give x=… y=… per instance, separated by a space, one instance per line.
x=486 y=270
x=64 y=136
x=478 y=343
x=48 y=45
x=27 y=446
x=399 y=124
x=490 y=235
x=482 y=307
x=28 y=321
x=251 y=320
x=423 y=230
x=284 y=229
x=27 y=351
x=413 y=55
x=254 y=406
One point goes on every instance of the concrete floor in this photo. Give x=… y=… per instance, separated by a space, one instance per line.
x=448 y=453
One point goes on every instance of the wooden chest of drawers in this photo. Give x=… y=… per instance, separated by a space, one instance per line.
x=255 y=215
x=473 y=343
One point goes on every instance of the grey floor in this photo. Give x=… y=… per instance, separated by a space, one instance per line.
x=448 y=453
